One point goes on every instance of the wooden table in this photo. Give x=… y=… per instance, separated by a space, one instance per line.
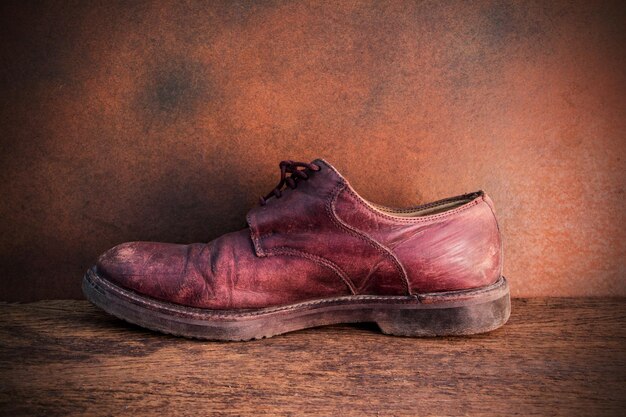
x=555 y=356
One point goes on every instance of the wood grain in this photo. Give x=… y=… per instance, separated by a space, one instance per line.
x=554 y=357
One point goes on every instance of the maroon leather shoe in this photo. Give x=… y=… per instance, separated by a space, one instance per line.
x=316 y=253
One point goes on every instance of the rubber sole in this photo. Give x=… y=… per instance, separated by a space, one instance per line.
x=435 y=314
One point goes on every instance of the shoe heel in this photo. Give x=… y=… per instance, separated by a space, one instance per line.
x=430 y=320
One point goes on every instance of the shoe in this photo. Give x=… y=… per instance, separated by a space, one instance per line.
x=316 y=253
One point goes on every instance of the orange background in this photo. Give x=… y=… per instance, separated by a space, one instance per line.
x=166 y=120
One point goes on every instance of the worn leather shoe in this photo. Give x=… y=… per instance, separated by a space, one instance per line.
x=316 y=253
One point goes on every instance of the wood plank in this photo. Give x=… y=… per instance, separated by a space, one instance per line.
x=554 y=357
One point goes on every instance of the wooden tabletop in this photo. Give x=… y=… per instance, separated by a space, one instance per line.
x=554 y=357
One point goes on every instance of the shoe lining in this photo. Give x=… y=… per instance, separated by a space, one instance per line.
x=428 y=209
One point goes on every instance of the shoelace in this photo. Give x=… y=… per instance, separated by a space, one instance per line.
x=289 y=167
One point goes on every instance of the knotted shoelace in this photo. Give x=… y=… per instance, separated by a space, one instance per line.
x=296 y=171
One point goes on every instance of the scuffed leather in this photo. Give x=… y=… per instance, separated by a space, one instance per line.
x=318 y=240
x=222 y=274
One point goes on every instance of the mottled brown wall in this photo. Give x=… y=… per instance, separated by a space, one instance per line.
x=166 y=120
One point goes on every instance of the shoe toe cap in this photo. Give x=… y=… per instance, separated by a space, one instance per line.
x=158 y=270
x=139 y=266
x=121 y=261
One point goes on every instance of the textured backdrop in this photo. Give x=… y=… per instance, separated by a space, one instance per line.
x=166 y=120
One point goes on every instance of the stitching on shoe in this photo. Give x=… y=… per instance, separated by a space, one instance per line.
x=386 y=252
x=283 y=250
x=422 y=219
x=428 y=205
x=254 y=235
x=258 y=240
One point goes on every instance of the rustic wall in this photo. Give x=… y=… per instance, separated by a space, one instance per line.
x=166 y=120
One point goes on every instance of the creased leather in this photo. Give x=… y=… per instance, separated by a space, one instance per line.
x=222 y=274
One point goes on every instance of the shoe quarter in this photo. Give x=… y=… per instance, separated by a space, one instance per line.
x=454 y=250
